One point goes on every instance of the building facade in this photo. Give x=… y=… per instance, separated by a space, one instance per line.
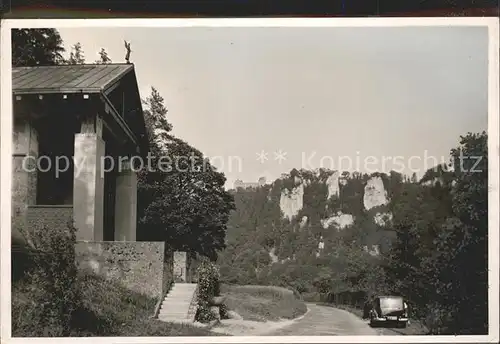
x=76 y=131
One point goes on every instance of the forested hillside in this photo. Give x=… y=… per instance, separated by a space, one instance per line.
x=330 y=232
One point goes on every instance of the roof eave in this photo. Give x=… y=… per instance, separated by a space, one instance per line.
x=116 y=79
x=144 y=140
x=119 y=120
x=56 y=91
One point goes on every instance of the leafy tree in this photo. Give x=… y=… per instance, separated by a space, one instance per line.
x=76 y=55
x=103 y=57
x=183 y=198
x=36 y=47
x=470 y=205
x=441 y=229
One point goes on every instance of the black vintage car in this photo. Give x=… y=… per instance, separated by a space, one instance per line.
x=389 y=310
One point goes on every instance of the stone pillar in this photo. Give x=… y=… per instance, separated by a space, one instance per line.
x=24 y=174
x=88 y=189
x=180 y=266
x=126 y=203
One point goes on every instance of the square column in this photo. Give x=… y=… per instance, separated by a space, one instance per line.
x=180 y=266
x=88 y=189
x=24 y=173
x=126 y=203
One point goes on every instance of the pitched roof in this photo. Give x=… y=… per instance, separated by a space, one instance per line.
x=85 y=78
x=89 y=78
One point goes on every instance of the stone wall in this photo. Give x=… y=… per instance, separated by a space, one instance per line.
x=168 y=271
x=50 y=216
x=192 y=268
x=138 y=266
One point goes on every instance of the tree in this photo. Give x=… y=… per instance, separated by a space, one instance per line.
x=103 y=57
x=470 y=205
x=36 y=47
x=183 y=196
x=76 y=56
x=441 y=228
x=156 y=118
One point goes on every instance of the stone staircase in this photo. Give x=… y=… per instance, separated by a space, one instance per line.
x=180 y=304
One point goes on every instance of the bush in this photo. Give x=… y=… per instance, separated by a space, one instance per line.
x=208 y=287
x=51 y=283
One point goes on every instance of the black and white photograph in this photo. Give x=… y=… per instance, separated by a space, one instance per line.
x=251 y=178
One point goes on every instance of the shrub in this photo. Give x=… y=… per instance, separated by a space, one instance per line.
x=208 y=287
x=51 y=283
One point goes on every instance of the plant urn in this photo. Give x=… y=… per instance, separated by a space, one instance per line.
x=217 y=300
x=215 y=312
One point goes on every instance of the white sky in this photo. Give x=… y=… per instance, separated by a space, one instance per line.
x=352 y=92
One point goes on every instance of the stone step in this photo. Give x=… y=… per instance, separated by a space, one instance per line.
x=180 y=320
x=182 y=314
x=180 y=294
x=174 y=307
x=181 y=291
x=166 y=313
x=189 y=286
x=172 y=315
x=174 y=318
x=186 y=298
x=184 y=285
x=190 y=294
x=177 y=304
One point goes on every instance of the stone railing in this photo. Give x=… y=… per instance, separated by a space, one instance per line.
x=193 y=306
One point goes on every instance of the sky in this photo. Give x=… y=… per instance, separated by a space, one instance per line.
x=367 y=99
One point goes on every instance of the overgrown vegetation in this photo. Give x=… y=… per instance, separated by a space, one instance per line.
x=208 y=288
x=263 y=303
x=51 y=282
x=53 y=300
x=105 y=309
x=439 y=226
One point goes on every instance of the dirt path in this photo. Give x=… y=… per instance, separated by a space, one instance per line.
x=327 y=321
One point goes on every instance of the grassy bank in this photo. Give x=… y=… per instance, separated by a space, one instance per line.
x=106 y=309
x=263 y=303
